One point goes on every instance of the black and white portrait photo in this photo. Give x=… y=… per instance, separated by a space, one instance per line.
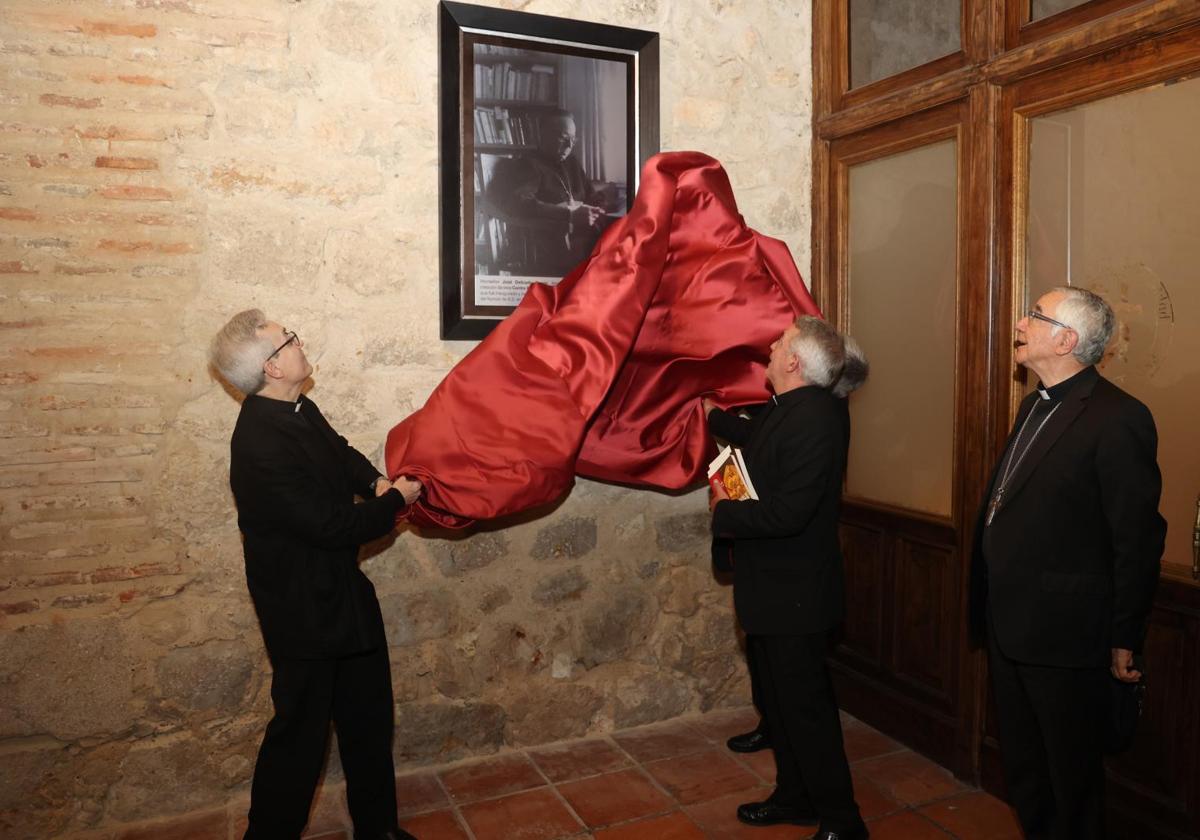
x=551 y=158
x=544 y=126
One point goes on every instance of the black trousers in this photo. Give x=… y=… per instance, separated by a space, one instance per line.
x=1051 y=722
x=756 y=690
x=811 y=770
x=355 y=694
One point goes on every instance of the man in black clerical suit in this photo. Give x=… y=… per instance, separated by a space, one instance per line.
x=789 y=587
x=854 y=374
x=294 y=480
x=549 y=198
x=1066 y=559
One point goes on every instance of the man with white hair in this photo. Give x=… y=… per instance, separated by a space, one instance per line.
x=788 y=585
x=1065 y=562
x=854 y=374
x=294 y=480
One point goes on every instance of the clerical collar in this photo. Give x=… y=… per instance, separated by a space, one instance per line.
x=795 y=394
x=1057 y=392
x=271 y=404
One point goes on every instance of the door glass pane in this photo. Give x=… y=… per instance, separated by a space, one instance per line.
x=903 y=245
x=890 y=36
x=1113 y=207
x=1044 y=8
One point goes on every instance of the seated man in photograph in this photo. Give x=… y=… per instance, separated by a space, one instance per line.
x=294 y=480
x=546 y=195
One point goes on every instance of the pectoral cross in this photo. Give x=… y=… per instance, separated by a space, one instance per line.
x=993 y=506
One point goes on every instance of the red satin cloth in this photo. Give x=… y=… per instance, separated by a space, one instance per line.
x=602 y=374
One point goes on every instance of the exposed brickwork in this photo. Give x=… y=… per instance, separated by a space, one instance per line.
x=164 y=163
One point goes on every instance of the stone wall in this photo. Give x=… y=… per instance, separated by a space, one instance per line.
x=164 y=163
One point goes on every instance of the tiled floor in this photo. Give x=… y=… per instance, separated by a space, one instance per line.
x=677 y=781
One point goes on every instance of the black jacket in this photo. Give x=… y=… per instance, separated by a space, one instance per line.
x=1069 y=564
x=294 y=480
x=788 y=576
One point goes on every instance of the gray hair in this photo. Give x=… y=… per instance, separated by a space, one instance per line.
x=820 y=349
x=854 y=371
x=1092 y=319
x=239 y=350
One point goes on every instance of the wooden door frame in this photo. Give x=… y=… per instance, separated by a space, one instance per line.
x=1007 y=72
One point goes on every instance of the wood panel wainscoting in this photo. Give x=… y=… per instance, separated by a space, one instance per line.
x=903 y=662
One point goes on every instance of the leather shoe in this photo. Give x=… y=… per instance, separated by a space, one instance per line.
x=859 y=833
x=771 y=813
x=397 y=834
x=749 y=742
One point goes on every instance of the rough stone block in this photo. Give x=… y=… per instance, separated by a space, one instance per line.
x=683 y=532
x=70 y=680
x=551 y=712
x=494 y=597
x=182 y=765
x=648 y=697
x=417 y=616
x=560 y=587
x=680 y=592
x=460 y=555
x=210 y=679
x=570 y=538
x=427 y=732
x=612 y=623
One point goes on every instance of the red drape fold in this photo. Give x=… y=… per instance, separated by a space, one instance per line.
x=601 y=374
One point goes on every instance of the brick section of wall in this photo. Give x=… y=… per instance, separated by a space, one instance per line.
x=88 y=130
x=164 y=163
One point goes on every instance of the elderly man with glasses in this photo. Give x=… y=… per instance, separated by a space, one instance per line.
x=1066 y=559
x=294 y=480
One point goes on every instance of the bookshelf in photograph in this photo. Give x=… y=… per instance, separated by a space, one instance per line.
x=512 y=90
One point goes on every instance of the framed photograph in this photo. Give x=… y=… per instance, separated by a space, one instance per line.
x=544 y=126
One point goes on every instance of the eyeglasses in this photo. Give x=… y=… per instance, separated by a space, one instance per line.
x=1034 y=314
x=291 y=336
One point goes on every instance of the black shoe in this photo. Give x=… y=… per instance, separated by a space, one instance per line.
x=769 y=813
x=859 y=833
x=749 y=742
x=396 y=834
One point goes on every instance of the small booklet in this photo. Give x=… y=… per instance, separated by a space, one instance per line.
x=728 y=470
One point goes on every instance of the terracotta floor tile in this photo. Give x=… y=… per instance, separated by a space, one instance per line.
x=975 y=816
x=577 y=759
x=675 y=826
x=419 y=792
x=909 y=778
x=718 y=818
x=722 y=725
x=872 y=801
x=438 y=825
x=906 y=826
x=651 y=743
x=615 y=797
x=532 y=815
x=864 y=742
x=702 y=776
x=491 y=777
x=761 y=763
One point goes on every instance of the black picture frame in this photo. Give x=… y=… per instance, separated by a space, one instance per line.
x=515 y=53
